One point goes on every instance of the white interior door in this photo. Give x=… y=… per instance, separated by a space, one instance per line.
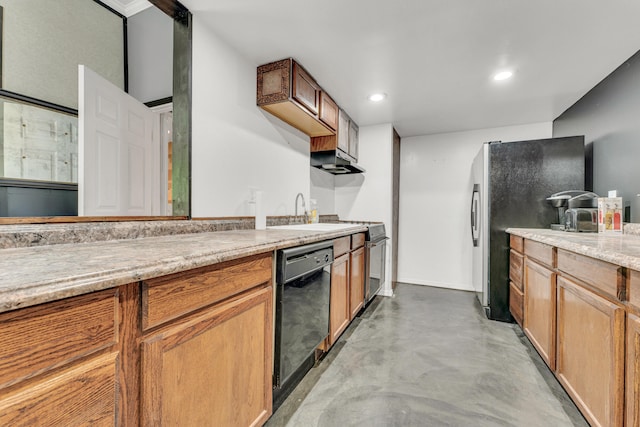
x=118 y=150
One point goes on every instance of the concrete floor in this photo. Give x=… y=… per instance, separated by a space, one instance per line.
x=428 y=357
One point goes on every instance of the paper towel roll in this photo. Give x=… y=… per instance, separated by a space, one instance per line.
x=261 y=218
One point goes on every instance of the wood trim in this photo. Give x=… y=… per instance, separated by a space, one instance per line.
x=172 y=8
x=633 y=372
x=79 y=219
x=129 y=367
x=633 y=289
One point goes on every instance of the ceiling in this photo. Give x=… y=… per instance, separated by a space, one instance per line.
x=435 y=58
x=127 y=7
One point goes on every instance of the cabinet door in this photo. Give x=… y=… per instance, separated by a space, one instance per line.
x=328 y=111
x=590 y=362
x=339 y=305
x=356 y=284
x=305 y=90
x=633 y=371
x=540 y=309
x=354 y=137
x=343 y=131
x=212 y=370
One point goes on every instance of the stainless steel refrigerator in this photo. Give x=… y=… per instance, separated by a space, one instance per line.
x=511 y=181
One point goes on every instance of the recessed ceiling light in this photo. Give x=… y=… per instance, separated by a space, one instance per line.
x=503 y=75
x=377 y=97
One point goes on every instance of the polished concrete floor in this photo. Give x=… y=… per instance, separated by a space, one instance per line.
x=428 y=357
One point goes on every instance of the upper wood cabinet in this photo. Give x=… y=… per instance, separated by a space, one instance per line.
x=287 y=91
x=305 y=90
x=328 y=111
x=346 y=140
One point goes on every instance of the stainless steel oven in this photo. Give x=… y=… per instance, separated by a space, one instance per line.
x=376 y=255
x=303 y=288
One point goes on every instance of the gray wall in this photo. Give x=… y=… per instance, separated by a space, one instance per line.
x=150 y=45
x=609 y=118
x=43 y=42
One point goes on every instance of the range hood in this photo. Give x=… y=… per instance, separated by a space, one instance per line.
x=335 y=162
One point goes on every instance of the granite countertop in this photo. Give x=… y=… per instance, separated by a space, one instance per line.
x=622 y=249
x=34 y=275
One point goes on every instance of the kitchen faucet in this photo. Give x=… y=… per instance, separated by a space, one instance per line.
x=304 y=206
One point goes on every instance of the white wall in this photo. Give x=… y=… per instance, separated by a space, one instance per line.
x=236 y=146
x=368 y=196
x=150 y=55
x=323 y=191
x=435 y=196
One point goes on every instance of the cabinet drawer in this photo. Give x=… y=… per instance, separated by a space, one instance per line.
x=541 y=252
x=169 y=297
x=599 y=274
x=516 y=303
x=40 y=338
x=516 y=265
x=357 y=240
x=84 y=395
x=341 y=246
x=633 y=291
x=516 y=243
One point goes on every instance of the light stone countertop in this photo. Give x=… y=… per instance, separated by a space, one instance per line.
x=34 y=275
x=622 y=249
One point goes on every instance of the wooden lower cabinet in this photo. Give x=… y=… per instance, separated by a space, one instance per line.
x=590 y=355
x=60 y=363
x=214 y=369
x=633 y=371
x=539 y=321
x=356 y=282
x=339 y=311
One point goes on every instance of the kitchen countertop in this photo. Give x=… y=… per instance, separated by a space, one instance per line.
x=622 y=250
x=34 y=275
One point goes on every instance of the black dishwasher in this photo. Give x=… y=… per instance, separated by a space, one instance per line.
x=303 y=289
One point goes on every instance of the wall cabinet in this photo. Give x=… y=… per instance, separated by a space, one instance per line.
x=346 y=139
x=286 y=90
x=590 y=361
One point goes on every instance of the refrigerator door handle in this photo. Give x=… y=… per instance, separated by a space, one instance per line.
x=475 y=224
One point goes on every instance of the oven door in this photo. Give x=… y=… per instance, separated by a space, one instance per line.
x=375 y=267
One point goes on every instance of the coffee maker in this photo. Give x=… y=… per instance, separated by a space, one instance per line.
x=571 y=200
